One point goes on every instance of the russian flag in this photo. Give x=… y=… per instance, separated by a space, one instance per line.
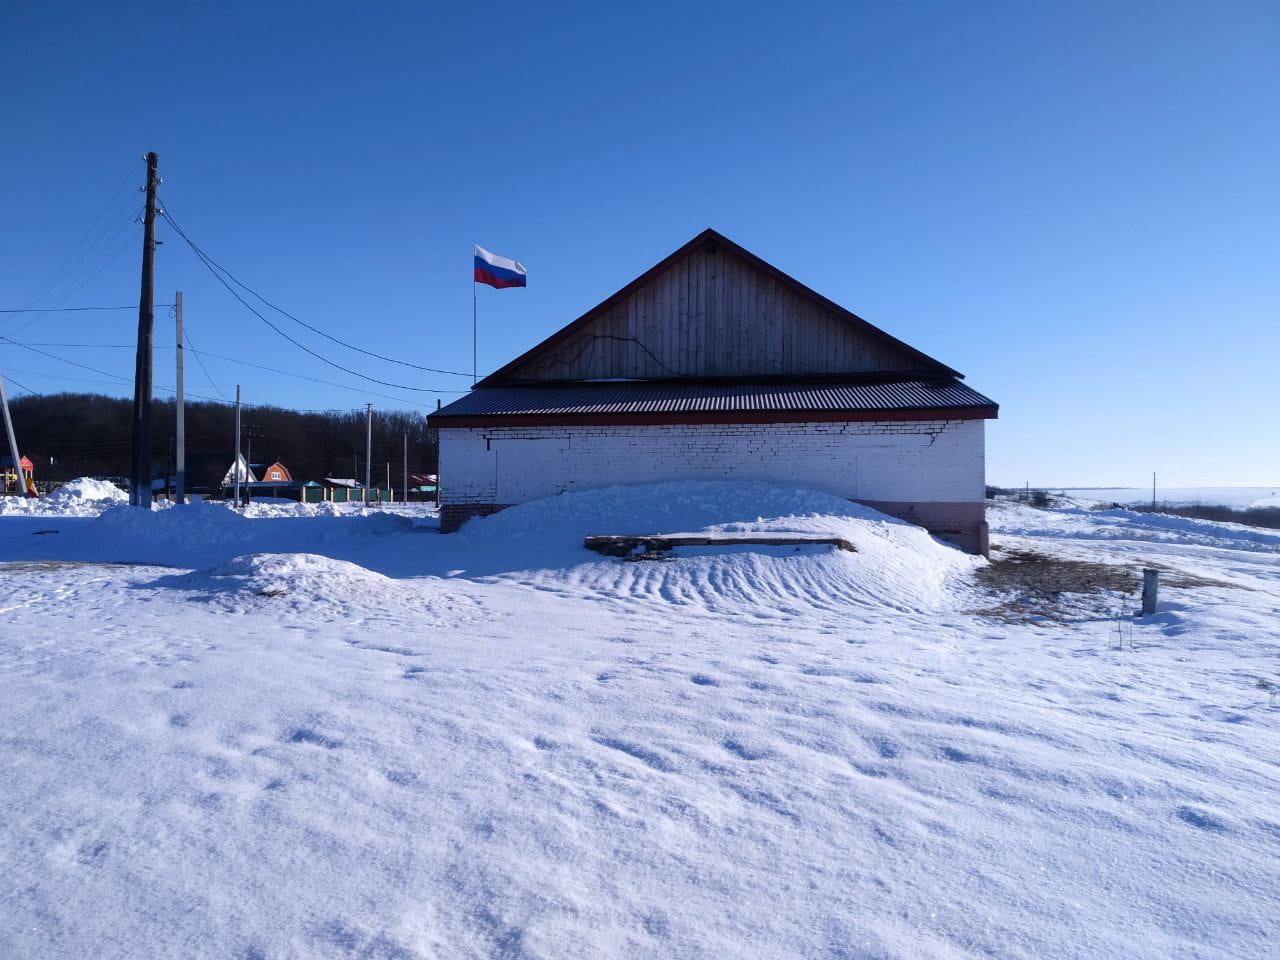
x=498 y=271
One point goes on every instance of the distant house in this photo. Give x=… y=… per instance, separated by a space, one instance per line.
x=262 y=480
x=716 y=364
x=272 y=473
x=256 y=473
x=240 y=468
x=422 y=483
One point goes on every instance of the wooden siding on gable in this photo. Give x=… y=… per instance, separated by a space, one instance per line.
x=714 y=313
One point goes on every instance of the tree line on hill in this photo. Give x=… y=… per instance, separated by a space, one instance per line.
x=69 y=435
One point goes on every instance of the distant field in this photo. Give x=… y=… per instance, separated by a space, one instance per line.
x=1178 y=496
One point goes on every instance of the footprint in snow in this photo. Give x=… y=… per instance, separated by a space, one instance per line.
x=657 y=925
x=888 y=750
x=1203 y=820
x=92 y=853
x=744 y=751
x=702 y=680
x=646 y=756
x=307 y=735
x=179 y=720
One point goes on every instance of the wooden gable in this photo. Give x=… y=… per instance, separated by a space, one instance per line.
x=714 y=310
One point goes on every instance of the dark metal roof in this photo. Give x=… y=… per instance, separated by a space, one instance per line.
x=648 y=397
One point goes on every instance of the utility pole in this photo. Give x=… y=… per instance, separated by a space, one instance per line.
x=180 y=412
x=368 y=446
x=13 y=444
x=404 y=495
x=140 y=494
x=235 y=464
x=1153 y=490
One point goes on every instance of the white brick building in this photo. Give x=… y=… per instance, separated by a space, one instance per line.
x=715 y=364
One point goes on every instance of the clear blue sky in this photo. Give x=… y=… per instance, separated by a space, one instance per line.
x=1076 y=204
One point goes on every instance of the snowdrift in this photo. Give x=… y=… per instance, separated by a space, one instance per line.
x=300 y=582
x=896 y=564
x=88 y=489
x=85 y=497
x=1015 y=519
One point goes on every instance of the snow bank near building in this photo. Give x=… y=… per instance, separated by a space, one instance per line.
x=89 y=489
x=85 y=497
x=539 y=544
x=895 y=564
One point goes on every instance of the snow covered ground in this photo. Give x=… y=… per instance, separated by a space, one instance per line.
x=1239 y=497
x=322 y=732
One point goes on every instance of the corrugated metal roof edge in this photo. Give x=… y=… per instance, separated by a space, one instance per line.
x=694 y=417
x=623 y=394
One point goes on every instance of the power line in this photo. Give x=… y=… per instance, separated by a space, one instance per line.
x=73 y=363
x=132 y=306
x=299 y=376
x=19 y=384
x=61 y=376
x=49 y=281
x=85 y=278
x=186 y=335
x=217 y=269
x=96 y=346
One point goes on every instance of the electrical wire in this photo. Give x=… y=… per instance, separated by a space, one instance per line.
x=299 y=376
x=54 y=356
x=20 y=385
x=96 y=346
x=49 y=281
x=304 y=347
x=132 y=306
x=82 y=281
x=217 y=269
x=217 y=389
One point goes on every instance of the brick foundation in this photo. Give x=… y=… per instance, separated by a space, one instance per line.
x=454 y=515
x=963 y=523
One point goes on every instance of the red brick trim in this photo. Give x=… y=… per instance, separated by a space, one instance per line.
x=454 y=515
x=963 y=523
x=715 y=417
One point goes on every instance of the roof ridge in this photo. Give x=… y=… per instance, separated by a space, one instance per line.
x=710 y=234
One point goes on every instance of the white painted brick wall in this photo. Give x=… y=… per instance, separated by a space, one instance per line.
x=931 y=460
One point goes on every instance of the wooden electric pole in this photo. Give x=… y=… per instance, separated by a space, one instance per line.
x=180 y=467
x=405 y=489
x=140 y=492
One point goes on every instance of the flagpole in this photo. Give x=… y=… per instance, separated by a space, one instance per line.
x=474 y=339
